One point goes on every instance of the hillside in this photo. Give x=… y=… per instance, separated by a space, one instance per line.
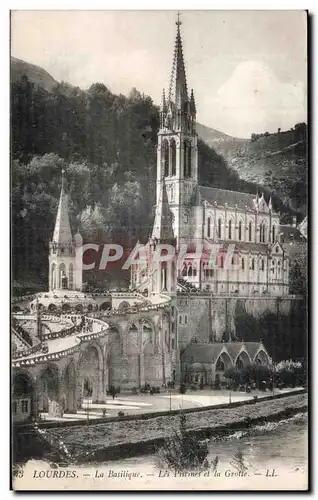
x=34 y=73
x=223 y=144
x=279 y=162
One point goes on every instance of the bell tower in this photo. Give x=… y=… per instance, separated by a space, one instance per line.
x=65 y=266
x=177 y=152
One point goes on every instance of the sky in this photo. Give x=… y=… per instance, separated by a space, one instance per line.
x=248 y=69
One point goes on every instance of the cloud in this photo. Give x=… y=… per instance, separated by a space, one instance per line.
x=254 y=100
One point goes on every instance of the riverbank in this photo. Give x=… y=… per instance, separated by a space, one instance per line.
x=136 y=436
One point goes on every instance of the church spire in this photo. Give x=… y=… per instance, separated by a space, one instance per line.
x=178 y=92
x=62 y=232
x=162 y=229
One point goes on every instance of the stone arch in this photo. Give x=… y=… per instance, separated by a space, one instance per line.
x=123 y=306
x=165 y=157
x=115 y=354
x=223 y=362
x=69 y=388
x=90 y=369
x=105 y=306
x=52 y=307
x=48 y=388
x=79 y=307
x=23 y=396
x=242 y=359
x=66 y=307
x=261 y=357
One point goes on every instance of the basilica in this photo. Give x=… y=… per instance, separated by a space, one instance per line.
x=177 y=321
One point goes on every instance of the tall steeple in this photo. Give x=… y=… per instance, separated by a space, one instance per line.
x=178 y=91
x=62 y=233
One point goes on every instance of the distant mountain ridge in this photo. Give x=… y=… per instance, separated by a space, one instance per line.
x=35 y=74
x=222 y=143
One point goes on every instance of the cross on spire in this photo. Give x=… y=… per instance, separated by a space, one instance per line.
x=178 y=22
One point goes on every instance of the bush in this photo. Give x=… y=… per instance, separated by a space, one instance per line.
x=155 y=390
x=185 y=451
x=134 y=390
x=121 y=413
x=193 y=387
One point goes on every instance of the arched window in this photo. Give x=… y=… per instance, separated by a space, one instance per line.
x=185 y=159
x=253 y=264
x=165 y=157
x=273 y=233
x=230 y=229
x=209 y=227
x=250 y=232
x=219 y=228
x=233 y=260
x=184 y=271
x=180 y=320
x=190 y=271
x=240 y=231
x=243 y=264
x=261 y=233
x=173 y=157
x=70 y=276
x=262 y=265
x=222 y=262
x=264 y=233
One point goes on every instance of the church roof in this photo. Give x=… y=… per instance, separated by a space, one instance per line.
x=231 y=198
x=209 y=353
x=162 y=229
x=245 y=246
x=62 y=233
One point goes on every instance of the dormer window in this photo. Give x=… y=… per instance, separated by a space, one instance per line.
x=277 y=249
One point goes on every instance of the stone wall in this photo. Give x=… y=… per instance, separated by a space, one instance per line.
x=207 y=317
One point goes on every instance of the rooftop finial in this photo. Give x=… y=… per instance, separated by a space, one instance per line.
x=178 y=22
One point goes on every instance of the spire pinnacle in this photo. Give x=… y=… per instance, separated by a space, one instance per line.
x=178 y=92
x=62 y=232
x=163 y=230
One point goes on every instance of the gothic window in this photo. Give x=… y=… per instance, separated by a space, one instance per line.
x=184 y=271
x=189 y=160
x=194 y=272
x=273 y=233
x=261 y=233
x=250 y=232
x=185 y=159
x=243 y=264
x=173 y=157
x=262 y=265
x=70 y=279
x=253 y=265
x=190 y=271
x=230 y=229
x=165 y=157
x=264 y=233
x=233 y=261
x=180 y=320
x=222 y=262
x=219 y=228
x=209 y=227
x=240 y=231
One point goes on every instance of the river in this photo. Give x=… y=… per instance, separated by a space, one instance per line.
x=275 y=456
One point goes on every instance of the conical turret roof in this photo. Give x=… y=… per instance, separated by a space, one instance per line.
x=62 y=232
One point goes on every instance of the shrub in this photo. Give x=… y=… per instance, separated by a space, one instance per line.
x=155 y=390
x=134 y=390
x=184 y=451
x=193 y=387
x=121 y=413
